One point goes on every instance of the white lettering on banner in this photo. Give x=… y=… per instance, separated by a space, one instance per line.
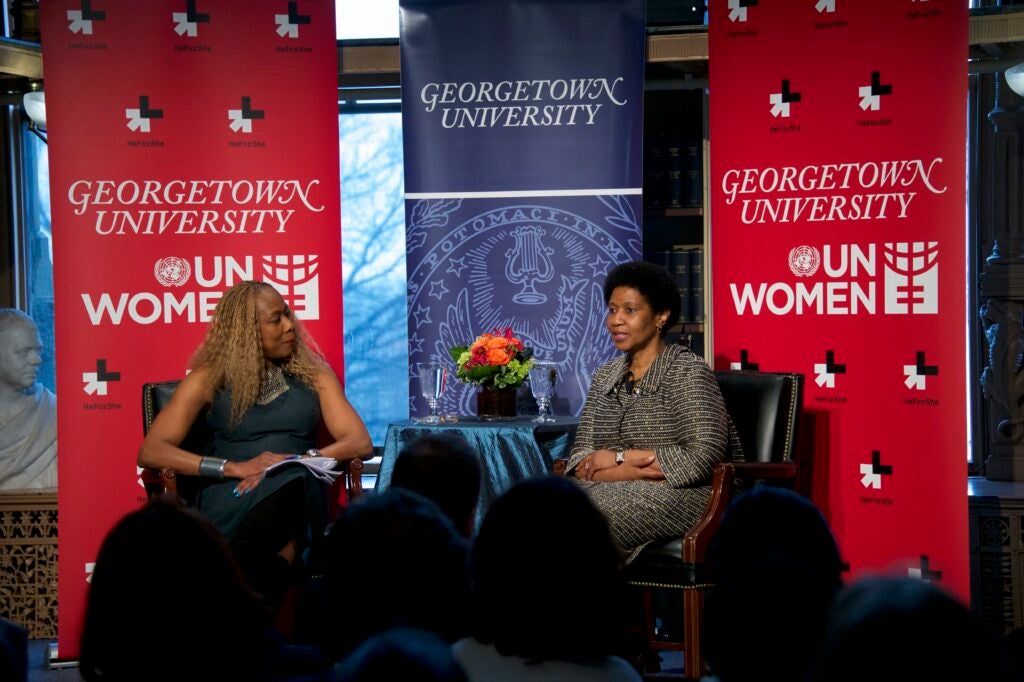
x=155 y=207
x=553 y=102
x=833 y=298
x=910 y=280
x=191 y=222
x=826 y=208
x=871 y=190
x=146 y=308
x=296 y=278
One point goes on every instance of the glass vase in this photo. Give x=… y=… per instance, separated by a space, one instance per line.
x=492 y=403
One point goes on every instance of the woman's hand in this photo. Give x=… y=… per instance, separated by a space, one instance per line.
x=251 y=471
x=645 y=468
x=248 y=483
x=594 y=462
x=600 y=465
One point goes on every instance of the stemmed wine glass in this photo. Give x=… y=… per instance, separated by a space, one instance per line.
x=433 y=376
x=542 y=384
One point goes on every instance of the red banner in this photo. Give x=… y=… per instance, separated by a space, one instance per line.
x=838 y=211
x=192 y=145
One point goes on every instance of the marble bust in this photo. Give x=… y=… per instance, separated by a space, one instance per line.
x=28 y=411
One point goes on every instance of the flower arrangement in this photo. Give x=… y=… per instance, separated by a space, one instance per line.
x=497 y=359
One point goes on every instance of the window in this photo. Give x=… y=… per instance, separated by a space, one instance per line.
x=366 y=19
x=38 y=247
x=373 y=268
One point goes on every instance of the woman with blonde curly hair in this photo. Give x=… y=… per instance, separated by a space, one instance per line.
x=263 y=389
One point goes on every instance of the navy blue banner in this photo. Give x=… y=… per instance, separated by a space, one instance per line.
x=522 y=94
x=523 y=124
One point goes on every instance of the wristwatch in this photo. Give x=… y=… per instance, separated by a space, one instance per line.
x=620 y=456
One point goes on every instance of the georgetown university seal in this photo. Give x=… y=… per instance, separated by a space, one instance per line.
x=478 y=264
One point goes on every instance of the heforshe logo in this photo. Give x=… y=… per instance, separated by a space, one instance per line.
x=297 y=278
x=911 y=277
x=189 y=289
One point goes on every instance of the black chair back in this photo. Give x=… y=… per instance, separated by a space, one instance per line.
x=765 y=407
x=155 y=397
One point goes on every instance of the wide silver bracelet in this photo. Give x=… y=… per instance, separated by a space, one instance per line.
x=212 y=466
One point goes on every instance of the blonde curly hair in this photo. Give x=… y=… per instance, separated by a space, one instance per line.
x=232 y=352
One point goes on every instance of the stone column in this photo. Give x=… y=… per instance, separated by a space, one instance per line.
x=1002 y=291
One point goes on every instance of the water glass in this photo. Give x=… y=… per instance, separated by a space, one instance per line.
x=542 y=385
x=433 y=376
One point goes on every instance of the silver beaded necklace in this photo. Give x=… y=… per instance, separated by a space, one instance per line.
x=274 y=385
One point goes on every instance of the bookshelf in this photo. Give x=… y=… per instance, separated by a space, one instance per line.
x=675 y=226
x=674 y=212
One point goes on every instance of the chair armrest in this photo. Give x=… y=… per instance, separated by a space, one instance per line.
x=698 y=538
x=354 y=475
x=768 y=471
x=156 y=484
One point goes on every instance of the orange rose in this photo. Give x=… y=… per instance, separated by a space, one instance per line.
x=481 y=342
x=497 y=356
x=497 y=342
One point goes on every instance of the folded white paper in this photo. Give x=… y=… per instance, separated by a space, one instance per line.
x=322 y=467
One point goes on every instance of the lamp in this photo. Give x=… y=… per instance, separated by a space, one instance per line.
x=1015 y=78
x=35 y=106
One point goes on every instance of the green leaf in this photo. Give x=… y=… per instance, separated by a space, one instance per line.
x=457 y=351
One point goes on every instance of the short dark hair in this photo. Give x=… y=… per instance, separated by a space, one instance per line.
x=777 y=568
x=540 y=529
x=166 y=549
x=652 y=281
x=444 y=468
x=413 y=551
x=899 y=628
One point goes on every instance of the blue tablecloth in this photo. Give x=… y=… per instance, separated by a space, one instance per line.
x=510 y=450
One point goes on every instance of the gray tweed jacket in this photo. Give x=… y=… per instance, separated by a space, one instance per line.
x=676 y=409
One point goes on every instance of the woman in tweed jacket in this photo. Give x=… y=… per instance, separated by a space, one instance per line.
x=654 y=424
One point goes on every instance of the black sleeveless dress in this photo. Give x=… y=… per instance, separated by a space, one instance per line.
x=286 y=425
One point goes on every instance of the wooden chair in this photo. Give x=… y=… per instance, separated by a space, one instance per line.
x=199 y=440
x=764 y=407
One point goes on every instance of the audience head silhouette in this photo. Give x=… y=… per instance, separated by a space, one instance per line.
x=776 y=568
x=401 y=654
x=168 y=559
x=443 y=468
x=547 y=583
x=895 y=629
x=415 y=556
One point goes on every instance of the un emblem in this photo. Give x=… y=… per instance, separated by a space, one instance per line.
x=172 y=271
x=804 y=260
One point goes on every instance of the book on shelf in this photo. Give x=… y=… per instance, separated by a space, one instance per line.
x=654 y=173
x=680 y=269
x=674 y=174
x=659 y=258
x=685 y=262
x=696 y=260
x=693 y=167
